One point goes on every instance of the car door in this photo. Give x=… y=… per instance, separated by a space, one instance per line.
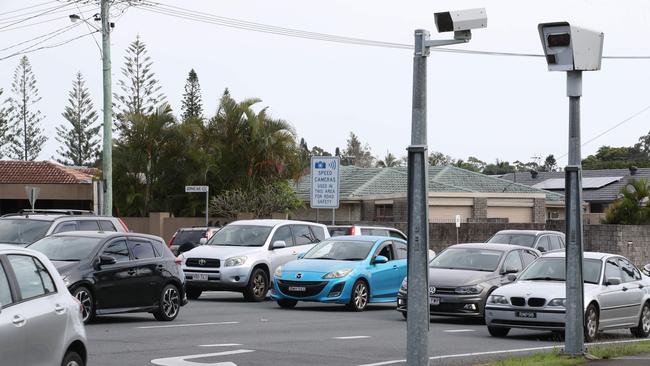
x=65 y=226
x=612 y=298
x=280 y=256
x=528 y=257
x=13 y=333
x=401 y=253
x=303 y=239
x=383 y=276
x=87 y=225
x=543 y=244
x=632 y=290
x=148 y=271
x=44 y=317
x=117 y=285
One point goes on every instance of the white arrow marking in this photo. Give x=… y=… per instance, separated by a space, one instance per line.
x=459 y=330
x=220 y=345
x=182 y=360
x=352 y=337
x=185 y=325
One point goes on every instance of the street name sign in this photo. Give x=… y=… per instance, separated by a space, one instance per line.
x=196 y=189
x=325 y=181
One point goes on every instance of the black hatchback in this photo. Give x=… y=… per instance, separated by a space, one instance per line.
x=112 y=273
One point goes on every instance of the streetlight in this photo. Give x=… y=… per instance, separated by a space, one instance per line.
x=574 y=50
x=460 y=22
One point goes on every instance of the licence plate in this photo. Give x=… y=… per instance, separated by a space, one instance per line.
x=298 y=288
x=200 y=276
x=525 y=314
x=434 y=301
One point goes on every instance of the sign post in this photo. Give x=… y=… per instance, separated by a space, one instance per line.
x=200 y=189
x=457 y=226
x=32 y=195
x=325 y=183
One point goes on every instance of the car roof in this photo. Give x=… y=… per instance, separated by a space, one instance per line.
x=271 y=222
x=198 y=228
x=586 y=255
x=9 y=248
x=529 y=232
x=363 y=226
x=373 y=238
x=496 y=246
x=103 y=234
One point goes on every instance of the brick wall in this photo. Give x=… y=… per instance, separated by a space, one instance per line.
x=539 y=210
x=479 y=210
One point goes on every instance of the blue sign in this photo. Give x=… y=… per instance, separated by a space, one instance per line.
x=324 y=182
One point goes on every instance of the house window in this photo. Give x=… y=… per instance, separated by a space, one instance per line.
x=384 y=212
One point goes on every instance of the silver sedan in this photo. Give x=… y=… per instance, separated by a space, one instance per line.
x=616 y=295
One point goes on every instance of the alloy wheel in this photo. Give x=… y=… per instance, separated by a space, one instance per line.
x=86 y=301
x=72 y=363
x=259 y=285
x=171 y=302
x=592 y=323
x=360 y=295
x=645 y=319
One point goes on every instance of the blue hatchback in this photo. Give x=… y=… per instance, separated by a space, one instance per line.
x=351 y=270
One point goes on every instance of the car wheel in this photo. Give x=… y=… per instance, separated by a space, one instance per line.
x=405 y=314
x=498 y=331
x=287 y=304
x=72 y=358
x=642 y=330
x=169 y=304
x=193 y=294
x=360 y=296
x=591 y=323
x=85 y=297
x=257 y=286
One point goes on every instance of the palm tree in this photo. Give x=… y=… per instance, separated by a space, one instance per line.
x=632 y=207
x=389 y=161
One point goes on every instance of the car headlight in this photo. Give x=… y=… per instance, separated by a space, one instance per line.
x=557 y=302
x=278 y=272
x=235 y=261
x=404 y=285
x=338 y=273
x=498 y=299
x=469 y=290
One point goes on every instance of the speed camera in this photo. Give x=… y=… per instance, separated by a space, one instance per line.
x=571 y=48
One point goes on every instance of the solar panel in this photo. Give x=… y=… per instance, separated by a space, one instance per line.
x=587 y=183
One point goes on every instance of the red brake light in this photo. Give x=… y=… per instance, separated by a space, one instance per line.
x=126 y=228
x=353 y=230
x=169 y=243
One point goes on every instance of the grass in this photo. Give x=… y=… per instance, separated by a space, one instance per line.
x=554 y=358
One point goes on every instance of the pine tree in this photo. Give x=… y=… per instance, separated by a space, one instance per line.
x=3 y=131
x=140 y=89
x=79 y=139
x=26 y=138
x=192 y=105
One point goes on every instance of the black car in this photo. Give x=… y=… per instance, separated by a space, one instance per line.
x=113 y=272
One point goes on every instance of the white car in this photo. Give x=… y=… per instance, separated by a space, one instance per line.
x=40 y=321
x=616 y=296
x=243 y=255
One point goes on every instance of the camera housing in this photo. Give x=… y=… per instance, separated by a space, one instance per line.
x=461 y=20
x=571 y=48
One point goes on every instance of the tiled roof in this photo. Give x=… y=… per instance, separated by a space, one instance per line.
x=41 y=172
x=357 y=183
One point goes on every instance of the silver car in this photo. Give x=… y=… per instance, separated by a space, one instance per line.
x=40 y=322
x=616 y=295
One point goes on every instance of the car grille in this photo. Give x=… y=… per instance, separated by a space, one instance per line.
x=311 y=287
x=536 y=301
x=203 y=262
x=518 y=301
x=445 y=290
x=452 y=308
x=528 y=323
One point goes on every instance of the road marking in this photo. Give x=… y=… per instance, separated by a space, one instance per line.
x=352 y=337
x=182 y=360
x=185 y=325
x=392 y=362
x=220 y=345
x=459 y=330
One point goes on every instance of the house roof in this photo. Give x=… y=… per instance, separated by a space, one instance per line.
x=41 y=172
x=357 y=183
x=599 y=186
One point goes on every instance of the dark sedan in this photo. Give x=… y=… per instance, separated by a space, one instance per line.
x=111 y=272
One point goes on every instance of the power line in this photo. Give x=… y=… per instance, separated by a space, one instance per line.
x=83 y=16
x=35 y=16
x=48 y=46
x=28 y=7
x=46 y=20
x=39 y=37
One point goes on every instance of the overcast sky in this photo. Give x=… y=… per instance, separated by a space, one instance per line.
x=510 y=108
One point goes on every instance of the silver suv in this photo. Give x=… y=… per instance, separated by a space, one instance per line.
x=338 y=230
x=243 y=254
x=542 y=240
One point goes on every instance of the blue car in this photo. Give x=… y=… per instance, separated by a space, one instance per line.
x=350 y=270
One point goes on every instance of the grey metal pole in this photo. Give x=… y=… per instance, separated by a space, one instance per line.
x=207 y=193
x=574 y=336
x=333 y=216
x=417 y=327
x=107 y=152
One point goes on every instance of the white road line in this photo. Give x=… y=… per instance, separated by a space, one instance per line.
x=459 y=330
x=392 y=362
x=352 y=337
x=220 y=345
x=183 y=360
x=186 y=325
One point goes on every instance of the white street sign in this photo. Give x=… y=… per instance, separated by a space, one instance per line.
x=195 y=189
x=325 y=181
x=457 y=220
x=32 y=194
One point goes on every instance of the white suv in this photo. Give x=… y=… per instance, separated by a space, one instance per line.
x=243 y=255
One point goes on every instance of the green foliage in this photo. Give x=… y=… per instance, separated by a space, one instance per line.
x=499 y=167
x=472 y=164
x=436 y=158
x=261 y=201
x=356 y=153
x=191 y=105
x=80 y=140
x=389 y=161
x=608 y=157
x=3 y=130
x=633 y=206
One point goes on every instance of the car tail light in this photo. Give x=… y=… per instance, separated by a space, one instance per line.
x=126 y=228
x=353 y=231
x=169 y=243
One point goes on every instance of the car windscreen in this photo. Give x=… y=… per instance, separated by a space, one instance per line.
x=473 y=259
x=553 y=269
x=66 y=248
x=516 y=239
x=241 y=236
x=342 y=250
x=339 y=230
x=188 y=236
x=22 y=231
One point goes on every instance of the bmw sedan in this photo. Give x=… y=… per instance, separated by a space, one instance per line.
x=616 y=295
x=351 y=270
x=112 y=273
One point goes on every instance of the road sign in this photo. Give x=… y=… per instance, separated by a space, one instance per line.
x=325 y=181
x=196 y=189
x=32 y=195
x=457 y=220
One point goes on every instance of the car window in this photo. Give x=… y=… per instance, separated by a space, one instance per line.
x=516 y=239
x=528 y=257
x=87 y=225
x=554 y=242
x=401 y=250
x=106 y=225
x=513 y=261
x=65 y=226
x=396 y=234
x=374 y=232
x=628 y=271
x=118 y=250
x=283 y=233
x=22 y=231
x=319 y=232
x=5 y=291
x=339 y=230
x=32 y=277
x=302 y=235
x=612 y=270
x=159 y=248
x=386 y=249
x=141 y=249
x=544 y=244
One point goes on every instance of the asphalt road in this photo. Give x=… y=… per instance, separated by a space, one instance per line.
x=221 y=329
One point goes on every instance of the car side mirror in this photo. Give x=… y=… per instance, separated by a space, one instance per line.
x=202 y=241
x=646 y=269
x=613 y=281
x=301 y=255
x=380 y=259
x=541 y=249
x=511 y=277
x=278 y=244
x=509 y=270
x=105 y=260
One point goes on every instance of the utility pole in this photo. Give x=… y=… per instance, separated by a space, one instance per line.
x=107 y=151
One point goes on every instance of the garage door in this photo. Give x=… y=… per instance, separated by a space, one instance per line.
x=448 y=214
x=513 y=214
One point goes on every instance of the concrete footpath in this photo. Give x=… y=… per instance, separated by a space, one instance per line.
x=637 y=360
